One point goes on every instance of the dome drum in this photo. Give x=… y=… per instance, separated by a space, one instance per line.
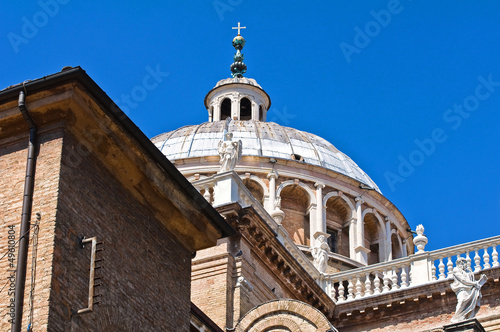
x=238 y=99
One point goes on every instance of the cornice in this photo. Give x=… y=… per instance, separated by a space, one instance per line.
x=266 y=246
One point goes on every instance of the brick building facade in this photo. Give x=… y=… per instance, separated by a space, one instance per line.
x=97 y=176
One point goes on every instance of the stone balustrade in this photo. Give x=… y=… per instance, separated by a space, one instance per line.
x=480 y=255
x=415 y=270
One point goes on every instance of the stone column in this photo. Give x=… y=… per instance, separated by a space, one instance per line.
x=235 y=108
x=312 y=222
x=388 y=246
x=403 y=249
x=352 y=238
x=361 y=251
x=255 y=111
x=216 y=115
x=321 y=210
x=272 y=176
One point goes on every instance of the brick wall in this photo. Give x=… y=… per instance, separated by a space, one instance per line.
x=13 y=167
x=211 y=279
x=145 y=274
x=215 y=288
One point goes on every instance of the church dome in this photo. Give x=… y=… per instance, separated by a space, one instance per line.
x=262 y=139
x=305 y=188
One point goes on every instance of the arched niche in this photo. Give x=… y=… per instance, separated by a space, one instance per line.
x=245 y=109
x=295 y=203
x=337 y=217
x=374 y=238
x=255 y=188
x=225 y=109
x=396 y=245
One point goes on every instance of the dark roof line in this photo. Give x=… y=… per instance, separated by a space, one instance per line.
x=69 y=74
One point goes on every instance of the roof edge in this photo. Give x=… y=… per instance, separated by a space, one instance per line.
x=112 y=110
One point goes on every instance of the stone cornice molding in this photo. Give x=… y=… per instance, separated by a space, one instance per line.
x=266 y=246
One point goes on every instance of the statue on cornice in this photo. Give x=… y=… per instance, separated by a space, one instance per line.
x=230 y=153
x=320 y=251
x=468 y=291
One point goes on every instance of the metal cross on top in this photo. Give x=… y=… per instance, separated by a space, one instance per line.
x=239 y=28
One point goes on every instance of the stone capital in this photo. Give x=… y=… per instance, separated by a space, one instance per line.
x=359 y=199
x=278 y=215
x=319 y=185
x=273 y=174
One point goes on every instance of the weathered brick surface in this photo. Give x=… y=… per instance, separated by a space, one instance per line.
x=145 y=272
x=215 y=288
x=297 y=226
x=13 y=167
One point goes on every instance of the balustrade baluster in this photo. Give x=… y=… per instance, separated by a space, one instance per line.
x=359 y=287
x=494 y=255
x=477 y=262
x=359 y=283
x=486 y=258
x=350 y=290
x=376 y=284
x=341 y=297
x=441 y=270
x=368 y=285
x=404 y=282
x=450 y=267
x=387 y=281
x=394 y=279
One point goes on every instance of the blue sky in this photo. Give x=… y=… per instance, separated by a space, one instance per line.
x=410 y=90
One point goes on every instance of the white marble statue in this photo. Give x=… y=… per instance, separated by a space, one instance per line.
x=230 y=153
x=468 y=291
x=320 y=252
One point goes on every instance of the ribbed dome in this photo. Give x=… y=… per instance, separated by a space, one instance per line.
x=266 y=139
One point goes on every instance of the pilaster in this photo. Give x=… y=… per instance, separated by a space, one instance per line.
x=388 y=247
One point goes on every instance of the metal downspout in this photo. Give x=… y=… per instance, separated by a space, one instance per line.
x=25 y=216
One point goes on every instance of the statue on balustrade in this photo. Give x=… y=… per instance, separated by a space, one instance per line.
x=468 y=291
x=230 y=153
x=320 y=251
